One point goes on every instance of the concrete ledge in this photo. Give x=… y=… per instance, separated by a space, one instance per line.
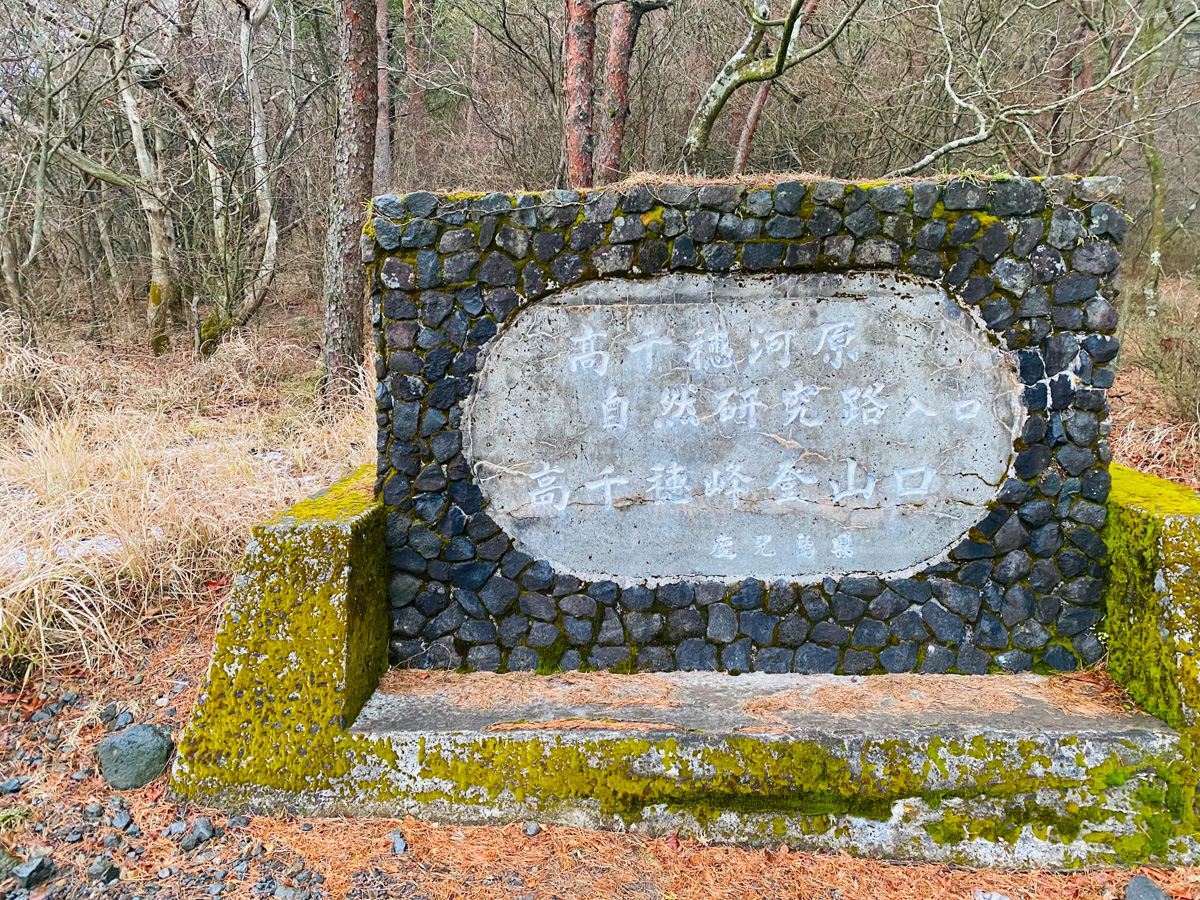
x=301 y=647
x=980 y=771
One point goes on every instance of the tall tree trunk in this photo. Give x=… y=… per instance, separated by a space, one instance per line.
x=418 y=125
x=265 y=237
x=382 y=178
x=117 y=276
x=747 y=138
x=353 y=143
x=10 y=296
x=579 y=87
x=472 y=112
x=164 y=287
x=1156 y=235
x=627 y=17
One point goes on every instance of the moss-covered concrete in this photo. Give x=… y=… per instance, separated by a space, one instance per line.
x=1152 y=598
x=301 y=647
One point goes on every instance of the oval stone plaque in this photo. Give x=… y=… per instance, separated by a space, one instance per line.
x=730 y=427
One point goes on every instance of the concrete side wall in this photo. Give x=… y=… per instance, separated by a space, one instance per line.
x=1152 y=600
x=1035 y=260
x=299 y=651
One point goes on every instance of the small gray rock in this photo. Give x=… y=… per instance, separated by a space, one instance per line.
x=399 y=844
x=33 y=872
x=103 y=871
x=134 y=757
x=1142 y=888
x=8 y=862
x=532 y=829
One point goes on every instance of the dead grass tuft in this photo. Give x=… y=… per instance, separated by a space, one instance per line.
x=127 y=483
x=1154 y=421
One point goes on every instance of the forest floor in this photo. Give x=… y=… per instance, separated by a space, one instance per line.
x=126 y=490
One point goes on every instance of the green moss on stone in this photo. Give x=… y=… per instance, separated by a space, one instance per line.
x=300 y=649
x=1152 y=603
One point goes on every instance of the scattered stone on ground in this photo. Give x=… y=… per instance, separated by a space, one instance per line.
x=132 y=758
x=1142 y=888
x=33 y=871
x=109 y=846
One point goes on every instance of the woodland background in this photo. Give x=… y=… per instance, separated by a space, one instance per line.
x=190 y=176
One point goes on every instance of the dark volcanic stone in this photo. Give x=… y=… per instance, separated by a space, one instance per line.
x=776 y=660
x=870 y=633
x=938 y=660
x=702 y=225
x=644 y=627
x=608 y=657
x=1075 y=619
x=792 y=630
x=899 y=657
x=676 y=596
x=847 y=608
x=1017 y=197
x=1061 y=659
x=748 y=595
x=972 y=661
x=695 y=655
x=909 y=626
x=1095 y=258
x=990 y=633
x=132 y=758
x=944 y=624
x=512 y=631
x=814 y=660
x=758 y=626
x=524 y=659
x=684 y=623
x=498 y=594
x=961 y=194
x=829 y=633
x=655 y=659
x=1014 y=661
x=637 y=598
x=858 y=661
x=736 y=657
x=538 y=606
x=542 y=634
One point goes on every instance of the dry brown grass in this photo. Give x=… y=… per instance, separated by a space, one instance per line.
x=1149 y=433
x=128 y=484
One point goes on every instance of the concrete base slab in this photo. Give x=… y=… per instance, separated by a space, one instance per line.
x=992 y=770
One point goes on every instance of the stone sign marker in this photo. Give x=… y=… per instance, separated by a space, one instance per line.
x=800 y=428
x=786 y=426
x=805 y=427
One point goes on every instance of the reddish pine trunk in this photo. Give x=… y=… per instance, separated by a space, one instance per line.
x=383 y=120
x=418 y=124
x=627 y=17
x=579 y=86
x=756 y=108
x=353 y=146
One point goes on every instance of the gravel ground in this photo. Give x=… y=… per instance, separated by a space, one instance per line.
x=64 y=833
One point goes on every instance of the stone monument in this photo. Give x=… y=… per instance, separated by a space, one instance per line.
x=807 y=428
x=659 y=465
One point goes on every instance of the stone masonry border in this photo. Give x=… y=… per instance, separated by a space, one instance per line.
x=1036 y=258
